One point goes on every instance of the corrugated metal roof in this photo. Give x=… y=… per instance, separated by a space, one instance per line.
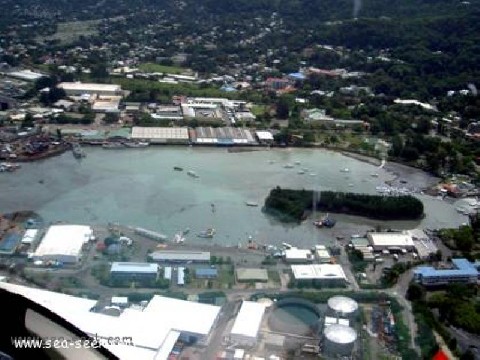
x=463 y=267
x=133 y=267
x=206 y=272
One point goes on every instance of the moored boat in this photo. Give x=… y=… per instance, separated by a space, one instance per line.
x=8 y=167
x=78 y=151
x=113 y=146
x=136 y=144
x=209 y=233
x=192 y=174
x=325 y=221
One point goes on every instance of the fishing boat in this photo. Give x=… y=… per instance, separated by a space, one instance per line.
x=251 y=203
x=209 y=233
x=177 y=168
x=192 y=174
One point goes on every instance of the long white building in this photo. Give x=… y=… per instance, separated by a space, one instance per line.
x=79 y=88
x=390 y=241
x=63 y=243
x=247 y=324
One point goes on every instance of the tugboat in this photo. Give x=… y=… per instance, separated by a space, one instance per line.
x=208 y=234
x=325 y=221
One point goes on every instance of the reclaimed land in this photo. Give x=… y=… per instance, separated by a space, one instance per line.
x=292 y=205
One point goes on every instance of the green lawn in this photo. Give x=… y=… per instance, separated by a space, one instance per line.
x=152 y=67
x=259 y=109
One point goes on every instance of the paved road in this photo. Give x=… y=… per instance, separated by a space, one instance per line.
x=466 y=341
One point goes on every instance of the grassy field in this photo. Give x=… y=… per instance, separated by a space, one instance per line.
x=151 y=67
x=258 y=110
x=67 y=32
x=140 y=85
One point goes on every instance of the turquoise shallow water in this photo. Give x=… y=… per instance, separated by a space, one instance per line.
x=139 y=187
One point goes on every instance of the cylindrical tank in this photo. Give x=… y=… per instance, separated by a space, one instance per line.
x=342 y=306
x=339 y=340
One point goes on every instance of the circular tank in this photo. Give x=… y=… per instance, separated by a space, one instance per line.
x=339 y=340
x=294 y=316
x=342 y=306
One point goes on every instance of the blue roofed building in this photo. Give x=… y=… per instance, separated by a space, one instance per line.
x=206 y=273
x=463 y=271
x=297 y=76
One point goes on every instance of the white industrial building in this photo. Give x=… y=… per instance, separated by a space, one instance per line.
x=29 y=236
x=26 y=75
x=319 y=272
x=264 y=136
x=390 y=241
x=161 y=135
x=295 y=255
x=107 y=104
x=148 y=332
x=247 y=324
x=63 y=243
x=79 y=88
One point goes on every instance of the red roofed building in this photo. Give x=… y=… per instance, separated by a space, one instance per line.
x=440 y=355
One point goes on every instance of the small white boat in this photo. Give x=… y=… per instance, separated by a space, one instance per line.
x=374 y=175
x=192 y=174
x=313 y=174
x=288 y=166
x=251 y=203
x=345 y=170
x=178 y=238
x=135 y=144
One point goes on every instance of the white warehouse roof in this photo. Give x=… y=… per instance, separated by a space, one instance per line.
x=66 y=240
x=89 y=87
x=298 y=254
x=318 y=271
x=159 y=133
x=248 y=320
x=134 y=267
x=390 y=239
x=264 y=135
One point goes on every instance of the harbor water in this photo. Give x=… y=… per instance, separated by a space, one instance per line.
x=139 y=187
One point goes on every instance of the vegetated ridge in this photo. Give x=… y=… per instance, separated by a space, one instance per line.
x=290 y=205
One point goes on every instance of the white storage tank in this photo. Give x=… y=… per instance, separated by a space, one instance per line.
x=342 y=306
x=339 y=340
